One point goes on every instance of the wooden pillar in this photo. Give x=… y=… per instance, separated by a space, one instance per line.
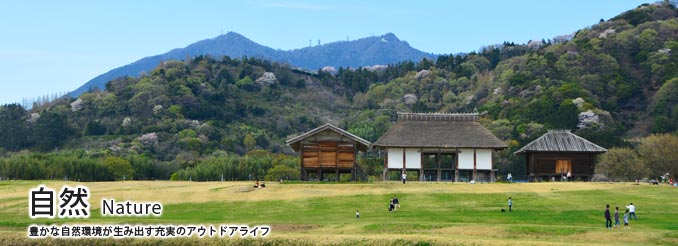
x=475 y=177
x=320 y=161
x=301 y=162
x=385 y=164
x=456 y=165
x=527 y=166
x=336 y=161
x=404 y=164
x=421 y=165
x=492 y=178
x=404 y=155
x=531 y=164
x=355 y=162
x=385 y=173
x=438 y=168
x=386 y=158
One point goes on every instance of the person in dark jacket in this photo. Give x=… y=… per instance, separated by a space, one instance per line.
x=391 y=206
x=608 y=218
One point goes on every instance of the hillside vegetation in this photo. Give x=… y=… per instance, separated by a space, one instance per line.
x=616 y=79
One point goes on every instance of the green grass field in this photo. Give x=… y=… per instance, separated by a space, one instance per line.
x=431 y=213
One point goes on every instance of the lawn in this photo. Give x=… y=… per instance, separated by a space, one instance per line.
x=431 y=213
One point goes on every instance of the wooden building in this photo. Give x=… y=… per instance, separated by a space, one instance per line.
x=440 y=147
x=558 y=152
x=327 y=150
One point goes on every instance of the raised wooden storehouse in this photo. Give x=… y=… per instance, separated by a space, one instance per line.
x=558 y=152
x=440 y=147
x=327 y=150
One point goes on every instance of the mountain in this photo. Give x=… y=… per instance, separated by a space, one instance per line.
x=611 y=83
x=376 y=50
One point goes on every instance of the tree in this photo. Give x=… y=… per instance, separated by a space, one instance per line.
x=282 y=171
x=501 y=128
x=249 y=141
x=565 y=117
x=12 y=127
x=93 y=127
x=175 y=111
x=665 y=109
x=621 y=164
x=659 y=152
x=121 y=168
x=51 y=129
x=246 y=83
x=224 y=78
x=649 y=40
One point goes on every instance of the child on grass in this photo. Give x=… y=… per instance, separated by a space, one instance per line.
x=510 y=204
x=616 y=217
x=626 y=220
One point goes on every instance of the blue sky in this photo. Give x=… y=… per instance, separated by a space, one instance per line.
x=55 y=46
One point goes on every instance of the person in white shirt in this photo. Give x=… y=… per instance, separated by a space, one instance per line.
x=632 y=211
x=509 y=177
x=404 y=177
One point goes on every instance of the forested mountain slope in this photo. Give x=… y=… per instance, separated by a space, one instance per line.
x=616 y=79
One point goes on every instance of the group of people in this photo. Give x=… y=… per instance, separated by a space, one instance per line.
x=257 y=185
x=628 y=214
x=667 y=179
x=393 y=206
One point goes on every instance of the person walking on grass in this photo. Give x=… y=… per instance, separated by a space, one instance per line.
x=626 y=219
x=404 y=177
x=357 y=214
x=509 y=177
x=616 y=217
x=608 y=220
x=632 y=211
x=510 y=204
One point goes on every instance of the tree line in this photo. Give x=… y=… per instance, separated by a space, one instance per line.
x=651 y=157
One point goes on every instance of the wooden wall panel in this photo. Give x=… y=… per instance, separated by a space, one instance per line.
x=328 y=155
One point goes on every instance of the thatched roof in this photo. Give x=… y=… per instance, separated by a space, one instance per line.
x=439 y=131
x=561 y=141
x=295 y=142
